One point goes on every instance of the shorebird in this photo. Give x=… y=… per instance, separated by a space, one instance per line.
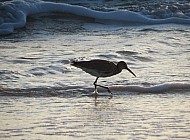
x=101 y=68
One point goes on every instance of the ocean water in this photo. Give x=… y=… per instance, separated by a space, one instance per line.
x=43 y=97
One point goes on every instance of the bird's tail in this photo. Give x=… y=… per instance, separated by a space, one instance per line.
x=76 y=61
x=73 y=62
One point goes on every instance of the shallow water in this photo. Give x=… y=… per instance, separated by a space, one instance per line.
x=132 y=116
x=43 y=97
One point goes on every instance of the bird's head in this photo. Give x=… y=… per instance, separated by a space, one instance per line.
x=122 y=65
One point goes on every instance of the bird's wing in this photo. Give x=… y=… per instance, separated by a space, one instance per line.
x=99 y=65
x=102 y=65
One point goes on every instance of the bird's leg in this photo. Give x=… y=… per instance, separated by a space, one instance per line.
x=95 y=84
x=105 y=88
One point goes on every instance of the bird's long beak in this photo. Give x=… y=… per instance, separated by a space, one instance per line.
x=131 y=71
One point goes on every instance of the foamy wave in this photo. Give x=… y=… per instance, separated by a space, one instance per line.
x=14 y=13
x=77 y=91
x=168 y=87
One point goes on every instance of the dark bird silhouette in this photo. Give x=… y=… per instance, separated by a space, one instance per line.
x=101 y=68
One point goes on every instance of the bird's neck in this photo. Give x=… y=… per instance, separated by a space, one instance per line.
x=119 y=70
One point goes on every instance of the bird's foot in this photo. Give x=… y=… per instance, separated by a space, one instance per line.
x=109 y=91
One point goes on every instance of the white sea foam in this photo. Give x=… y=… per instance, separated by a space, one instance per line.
x=167 y=87
x=162 y=88
x=14 y=13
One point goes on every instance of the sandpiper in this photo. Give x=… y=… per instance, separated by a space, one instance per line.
x=101 y=68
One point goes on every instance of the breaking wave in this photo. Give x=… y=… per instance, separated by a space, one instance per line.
x=13 y=14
